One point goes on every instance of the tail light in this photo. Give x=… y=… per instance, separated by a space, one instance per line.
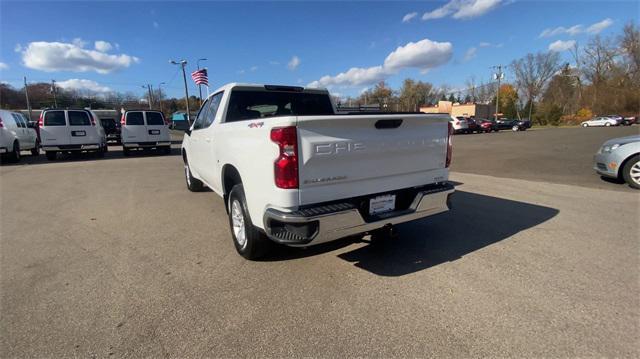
x=122 y=120
x=1 y=123
x=41 y=119
x=285 y=168
x=449 y=145
x=93 y=120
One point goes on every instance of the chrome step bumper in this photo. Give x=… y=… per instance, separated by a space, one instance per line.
x=325 y=223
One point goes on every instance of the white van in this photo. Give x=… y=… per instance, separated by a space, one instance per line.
x=71 y=131
x=144 y=129
x=16 y=136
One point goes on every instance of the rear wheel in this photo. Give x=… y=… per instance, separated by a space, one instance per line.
x=51 y=155
x=14 y=156
x=631 y=172
x=166 y=150
x=608 y=124
x=126 y=151
x=515 y=128
x=193 y=184
x=36 y=150
x=250 y=242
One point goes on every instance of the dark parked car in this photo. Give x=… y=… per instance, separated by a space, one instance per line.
x=628 y=121
x=473 y=125
x=111 y=128
x=512 y=124
x=486 y=125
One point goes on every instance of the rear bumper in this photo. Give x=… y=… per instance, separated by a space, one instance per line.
x=329 y=222
x=3 y=150
x=80 y=147
x=146 y=144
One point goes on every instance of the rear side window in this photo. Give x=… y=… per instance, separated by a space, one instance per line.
x=54 y=118
x=155 y=119
x=79 y=118
x=19 y=121
x=253 y=104
x=135 y=119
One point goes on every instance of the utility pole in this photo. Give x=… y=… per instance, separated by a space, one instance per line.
x=53 y=89
x=200 y=86
x=160 y=94
x=149 y=98
x=26 y=93
x=183 y=63
x=498 y=76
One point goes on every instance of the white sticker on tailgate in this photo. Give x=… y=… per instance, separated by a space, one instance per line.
x=382 y=204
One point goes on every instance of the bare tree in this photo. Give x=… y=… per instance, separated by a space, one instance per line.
x=598 y=63
x=471 y=87
x=532 y=73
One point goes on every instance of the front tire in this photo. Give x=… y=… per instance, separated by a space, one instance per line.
x=193 y=184
x=631 y=172
x=250 y=242
x=607 y=124
x=14 y=157
x=585 y=125
x=515 y=128
x=51 y=155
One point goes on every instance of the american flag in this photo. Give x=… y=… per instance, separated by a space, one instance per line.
x=200 y=77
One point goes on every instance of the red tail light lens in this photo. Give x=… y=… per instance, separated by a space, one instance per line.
x=285 y=168
x=122 y=120
x=93 y=120
x=449 y=144
x=41 y=119
x=1 y=123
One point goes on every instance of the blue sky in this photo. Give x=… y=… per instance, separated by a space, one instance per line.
x=445 y=42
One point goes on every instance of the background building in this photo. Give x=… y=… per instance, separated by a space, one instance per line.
x=458 y=109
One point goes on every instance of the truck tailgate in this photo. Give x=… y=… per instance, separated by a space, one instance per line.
x=345 y=156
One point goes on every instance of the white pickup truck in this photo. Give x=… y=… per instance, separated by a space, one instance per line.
x=292 y=170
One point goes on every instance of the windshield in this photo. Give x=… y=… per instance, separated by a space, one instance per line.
x=253 y=104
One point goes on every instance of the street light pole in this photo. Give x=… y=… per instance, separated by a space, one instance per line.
x=183 y=63
x=498 y=77
x=53 y=89
x=148 y=87
x=160 y=94
x=26 y=93
x=200 y=86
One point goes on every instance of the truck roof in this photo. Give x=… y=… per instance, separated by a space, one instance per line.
x=232 y=85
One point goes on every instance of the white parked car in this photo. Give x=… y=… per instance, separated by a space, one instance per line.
x=600 y=121
x=71 y=131
x=460 y=124
x=16 y=136
x=293 y=171
x=144 y=130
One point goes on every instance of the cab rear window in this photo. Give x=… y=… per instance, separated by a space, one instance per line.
x=154 y=119
x=54 y=118
x=79 y=118
x=135 y=119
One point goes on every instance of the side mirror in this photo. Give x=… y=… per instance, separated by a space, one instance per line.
x=187 y=132
x=31 y=124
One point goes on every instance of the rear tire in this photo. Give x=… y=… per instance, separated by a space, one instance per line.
x=36 y=150
x=100 y=152
x=193 y=184
x=250 y=242
x=631 y=172
x=51 y=155
x=14 y=157
x=166 y=150
x=608 y=124
x=515 y=128
x=585 y=125
x=126 y=151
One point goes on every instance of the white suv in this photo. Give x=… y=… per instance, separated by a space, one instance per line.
x=71 y=131
x=16 y=136
x=144 y=130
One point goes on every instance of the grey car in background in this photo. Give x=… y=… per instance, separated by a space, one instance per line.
x=619 y=158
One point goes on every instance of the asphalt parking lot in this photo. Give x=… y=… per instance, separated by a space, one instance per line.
x=114 y=257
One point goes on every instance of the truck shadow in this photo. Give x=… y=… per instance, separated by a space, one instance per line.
x=115 y=153
x=476 y=221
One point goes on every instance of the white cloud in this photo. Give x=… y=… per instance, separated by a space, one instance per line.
x=561 y=45
x=274 y=63
x=410 y=16
x=462 y=9
x=470 y=54
x=241 y=72
x=102 y=46
x=60 y=56
x=293 y=63
x=82 y=84
x=156 y=25
x=423 y=55
x=577 y=29
x=3 y=66
x=599 y=26
x=18 y=48
x=253 y=68
x=79 y=42
x=488 y=44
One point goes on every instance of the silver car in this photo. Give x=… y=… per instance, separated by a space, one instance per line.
x=600 y=121
x=619 y=158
